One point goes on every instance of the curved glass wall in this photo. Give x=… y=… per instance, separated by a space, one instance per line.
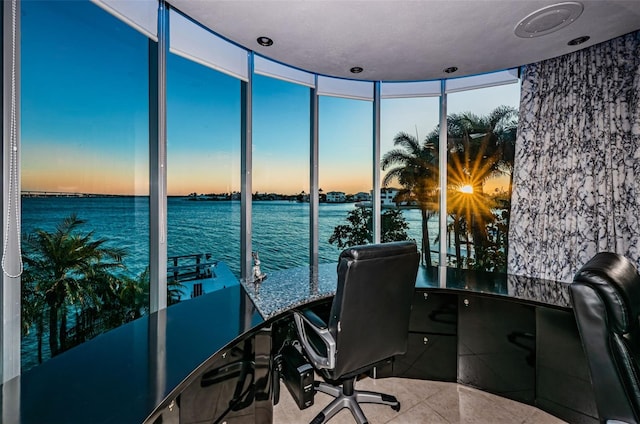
x=409 y=175
x=482 y=126
x=280 y=205
x=85 y=177
x=203 y=179
x=85 y=167
x=345 y=175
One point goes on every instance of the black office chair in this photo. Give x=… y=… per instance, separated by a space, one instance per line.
x=605 y=294
x=369 y=323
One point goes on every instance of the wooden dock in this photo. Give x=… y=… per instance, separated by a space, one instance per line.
x=190 y=267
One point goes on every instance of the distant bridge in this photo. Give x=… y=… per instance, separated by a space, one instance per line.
x=36 y=193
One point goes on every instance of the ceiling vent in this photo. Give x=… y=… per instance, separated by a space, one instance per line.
x=548 y=19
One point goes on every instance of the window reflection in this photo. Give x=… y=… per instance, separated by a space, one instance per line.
x=481 y=127
x=345 y=175
x=280 y=206
x=84 y=175
x=203 y=179
x=410 y=175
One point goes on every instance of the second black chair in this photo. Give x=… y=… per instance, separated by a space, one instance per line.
x=369 y=323
x=605 y=294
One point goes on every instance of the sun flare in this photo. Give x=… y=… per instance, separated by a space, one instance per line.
x=468 y=188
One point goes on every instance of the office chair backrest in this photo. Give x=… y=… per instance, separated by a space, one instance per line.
x=370 y=312
x=605 y=294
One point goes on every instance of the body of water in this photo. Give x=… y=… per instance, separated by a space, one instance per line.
x=280 y=229
x=280 y=232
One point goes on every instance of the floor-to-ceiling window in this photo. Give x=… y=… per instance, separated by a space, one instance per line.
x=482 y=127
x=85 y=178
x=345 y=174
x=409 y=170
x=280 y=157
x=203 y=179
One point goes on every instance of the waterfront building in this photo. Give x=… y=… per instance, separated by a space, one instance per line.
x=362 y=197
x=388 y=196
x=336 y=197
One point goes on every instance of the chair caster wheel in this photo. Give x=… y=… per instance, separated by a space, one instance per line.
x=396 y=407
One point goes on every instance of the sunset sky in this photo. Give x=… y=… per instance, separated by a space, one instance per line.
x=85 y=114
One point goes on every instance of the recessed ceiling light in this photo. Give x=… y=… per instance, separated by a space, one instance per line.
x=356 y=70
x=264 y=41
x=579 y=40
x=548 y=19
x=450 y=69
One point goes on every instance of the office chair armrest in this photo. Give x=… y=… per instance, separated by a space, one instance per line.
x=313 y=319
x=307 y=319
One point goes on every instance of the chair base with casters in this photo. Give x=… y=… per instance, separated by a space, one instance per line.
x=347 y=397
x=368 y=324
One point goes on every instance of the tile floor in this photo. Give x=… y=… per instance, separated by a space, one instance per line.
x=422 y=402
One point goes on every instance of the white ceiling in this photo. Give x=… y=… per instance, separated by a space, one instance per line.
x=404 y=40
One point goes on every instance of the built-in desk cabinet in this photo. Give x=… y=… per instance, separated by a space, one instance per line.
x=235 y=388
x=522 y=351
x=497 y=346
x=563 y=386
x=432 y=346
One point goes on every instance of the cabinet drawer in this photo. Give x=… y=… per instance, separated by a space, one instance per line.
x=497 y=346
x=428 y=357
x=562 y=374
x=434 y=313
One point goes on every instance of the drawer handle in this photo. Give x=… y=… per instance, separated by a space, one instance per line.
x=466 y=302
x=425 y=340
x=426 y=295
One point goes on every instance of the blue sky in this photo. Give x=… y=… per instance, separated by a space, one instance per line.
x=85 y=116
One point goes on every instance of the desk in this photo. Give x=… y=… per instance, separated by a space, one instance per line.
x=510 y=335
x=123 y=375
x=287 y=289
x=165 y=366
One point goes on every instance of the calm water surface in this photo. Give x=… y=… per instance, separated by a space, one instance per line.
x=280 y=230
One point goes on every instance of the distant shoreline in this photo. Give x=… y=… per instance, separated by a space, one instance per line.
x=201 y=198
x=75 y=195
x=285 y=198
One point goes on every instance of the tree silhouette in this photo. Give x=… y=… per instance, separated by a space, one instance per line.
x=358 y=230
x=415 y=167
x=70 y=271
x=67 y=267
x=479 y=148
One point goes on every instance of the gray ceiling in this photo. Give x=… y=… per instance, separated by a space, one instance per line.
x=405 y=40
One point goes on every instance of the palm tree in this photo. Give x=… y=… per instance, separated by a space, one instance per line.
x=32 y=310
x=479 y=148
x=133 y=296
x=415 y=167
x=489 y=137
x=67 y=267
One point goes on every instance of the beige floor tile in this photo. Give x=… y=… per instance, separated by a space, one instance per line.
x=423 y=402
x=541 y=417
x=410 y=391
x=520 y=410
x=419 y=414
x=525 y=413
x=459 y=404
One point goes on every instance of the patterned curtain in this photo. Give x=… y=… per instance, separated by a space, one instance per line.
x=577 y=167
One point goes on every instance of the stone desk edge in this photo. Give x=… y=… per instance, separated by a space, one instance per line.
x=287 y=289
